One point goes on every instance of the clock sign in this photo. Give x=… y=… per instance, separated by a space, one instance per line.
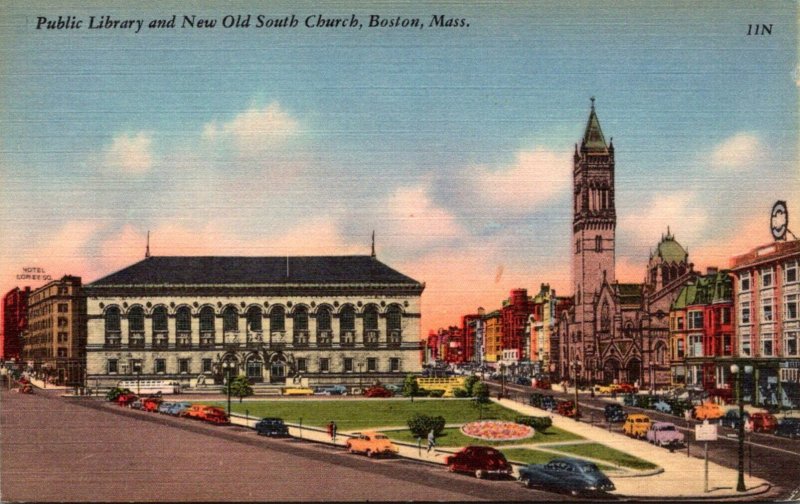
x=779 y=220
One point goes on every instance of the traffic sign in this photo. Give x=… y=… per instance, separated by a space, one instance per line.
x=705 y=431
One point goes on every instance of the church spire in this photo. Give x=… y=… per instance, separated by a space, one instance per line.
x=593 y=139
x=147 y=249
x=373 y=243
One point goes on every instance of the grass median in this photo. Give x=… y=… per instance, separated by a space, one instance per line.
x=454 y=437
x=603 y=452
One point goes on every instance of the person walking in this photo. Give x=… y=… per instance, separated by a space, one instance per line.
x=333 y=431
x=330 y=429
x=431 y=441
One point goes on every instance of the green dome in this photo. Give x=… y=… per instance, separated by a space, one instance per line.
x=671 y=251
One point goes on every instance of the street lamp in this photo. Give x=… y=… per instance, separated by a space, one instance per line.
x=735 y=371
x=227 y=366
x=503 y=380
x=575 y=367
x=652 y=378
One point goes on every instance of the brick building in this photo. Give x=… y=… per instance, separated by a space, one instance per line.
x=15 y=322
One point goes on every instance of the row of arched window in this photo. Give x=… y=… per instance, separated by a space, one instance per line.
x=253 y=319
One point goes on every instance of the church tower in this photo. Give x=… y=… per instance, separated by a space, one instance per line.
x=593 y=228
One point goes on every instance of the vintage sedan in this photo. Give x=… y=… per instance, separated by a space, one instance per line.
x=789 y=427
x=731 y=418
x=662 y=406
x=272 y=427
x=126 y=399
x=567 y=409
x=607 y=389
x=151 y=404
x=371 y=444
x=626 y=388
x=482 y=461
x=636 y=425
x=378 y=391
x=664 y=434
x=614 y=413
x=175 y=409
x=208 y=413
x=575 y=476
x=708 y=411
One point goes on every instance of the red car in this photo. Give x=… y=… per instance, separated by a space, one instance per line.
x=764 y=422
x=482 y=461
x=151 y=404
x=126 y=399
x=566 y=408
x=626 y=388
x=208 y=413
x=378 y=391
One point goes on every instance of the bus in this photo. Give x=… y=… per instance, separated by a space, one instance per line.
x=151 y=386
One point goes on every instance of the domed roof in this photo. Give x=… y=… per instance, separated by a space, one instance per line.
x=670 y=250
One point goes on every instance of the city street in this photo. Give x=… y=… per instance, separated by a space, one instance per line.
x=769 y=457
x=56 y=449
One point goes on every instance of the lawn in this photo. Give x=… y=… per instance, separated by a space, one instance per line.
x=350 y=414
x=603 y=452
x=529 y=456
x=454 y=437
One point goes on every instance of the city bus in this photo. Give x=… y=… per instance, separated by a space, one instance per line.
x=151 y=386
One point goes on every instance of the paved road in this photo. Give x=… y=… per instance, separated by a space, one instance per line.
x=56 y=449
x=774 y=459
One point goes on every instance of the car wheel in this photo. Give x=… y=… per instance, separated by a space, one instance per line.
x=479 y=474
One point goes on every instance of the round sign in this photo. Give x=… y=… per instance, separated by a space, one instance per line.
x=779 y=220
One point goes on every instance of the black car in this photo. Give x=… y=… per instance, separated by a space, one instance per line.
x=271 y=427
x=788 y=427
x=731 y=419
x=614 y=413
x=575 y=476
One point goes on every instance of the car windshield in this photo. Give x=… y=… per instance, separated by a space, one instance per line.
x=381 y=436
x=668 y=427
x=589 y=468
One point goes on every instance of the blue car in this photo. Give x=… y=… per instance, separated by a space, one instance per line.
x=571 y=475
x=272 y=427
x=662 y=406
x=164 y=407
x=176 y=408
x=331 y=390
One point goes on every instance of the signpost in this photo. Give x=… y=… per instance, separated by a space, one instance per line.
x=705 y=432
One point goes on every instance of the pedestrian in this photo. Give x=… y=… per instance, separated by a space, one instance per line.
x=333 y=431
x=431 y=441
x=330 y=429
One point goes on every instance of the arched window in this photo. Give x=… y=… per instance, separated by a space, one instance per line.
x=160 y=319
x=136 y=319
x=324 y=319
x=347 y=319
x=254 y=318
x=301 y=318
x=605 y=317
x=207 y=319
x=277 y=319
x=393 y=318
x=112 y=320
x=661 y=353
x=370 y=318
x=183 y=319
x=230 y=319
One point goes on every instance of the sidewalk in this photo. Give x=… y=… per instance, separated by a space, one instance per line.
x=682 y=476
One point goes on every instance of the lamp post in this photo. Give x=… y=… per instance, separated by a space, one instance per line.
x=228 y=366
x=503 y=380
x=735 y=370
x=137 y=368
x=575 y=367
x=360 y=376
x=652 y=378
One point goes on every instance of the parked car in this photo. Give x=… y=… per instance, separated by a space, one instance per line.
x=377 y=391
x=394 y=388
x=164 y=407
x=482 y=461
x=151 y=404
x=626 y=388
x=606 y=389
x=764 y=422
x=566 y=474
x=208 y=413
x=301 y=391
x=662 y=406
x=789 y=427
x=636 y=425
x=371 y=444
x=708 y=411
x=614 y=413
x=272 y=427
x=548 y=403
x=679 y=406
x=178 y=407
x=331 y=390
x=566 y=408
x=522 y=380
x=731 y=418
x=126 y=399
x=664 y=434
x=138 y=404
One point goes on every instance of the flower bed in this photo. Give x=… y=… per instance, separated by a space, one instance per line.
x=493 y=430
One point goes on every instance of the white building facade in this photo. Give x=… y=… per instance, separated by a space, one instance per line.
x=347 y=320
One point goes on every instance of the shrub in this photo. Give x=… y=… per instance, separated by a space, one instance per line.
x=480 y=391
x=410 y=386
x=539 y=424
x=421 y=425
x=115 y=392
x=423 y=392
x=469 y=383
x=240 y=388
x=460 y=392
x=436 y=393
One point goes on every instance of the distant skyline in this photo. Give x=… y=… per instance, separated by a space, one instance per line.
x=453 y=144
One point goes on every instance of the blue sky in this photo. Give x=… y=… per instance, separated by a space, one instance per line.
x=453 y=144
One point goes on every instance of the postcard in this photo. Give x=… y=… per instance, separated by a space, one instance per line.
x=515 y=240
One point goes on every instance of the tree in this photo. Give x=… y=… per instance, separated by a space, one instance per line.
x=240 y=388
x=420 y=425
x=480 y=391
x=469 y=383
x=410 y=386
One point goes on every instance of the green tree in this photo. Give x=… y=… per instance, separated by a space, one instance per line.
x=240 y=388
x=420 y=425
x=469 y=383
x=410 y=386
x=480 y=391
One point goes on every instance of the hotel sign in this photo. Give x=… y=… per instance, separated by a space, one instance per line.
x=779 y=220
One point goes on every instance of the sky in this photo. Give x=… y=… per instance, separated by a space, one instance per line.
x=453 y=144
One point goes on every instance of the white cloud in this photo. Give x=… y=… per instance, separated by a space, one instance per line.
x=536 y=177
x=416 y=220
x=254 y=128
x=737 y=153
x=130 y=153
x=681 y=211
